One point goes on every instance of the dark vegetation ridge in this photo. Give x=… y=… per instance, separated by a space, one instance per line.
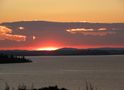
x=67 y=51
x=9 y=58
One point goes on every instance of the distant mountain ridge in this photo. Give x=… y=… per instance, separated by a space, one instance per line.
x=66 y=51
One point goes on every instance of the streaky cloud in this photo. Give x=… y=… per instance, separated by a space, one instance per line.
x=91 y=31
x=6 y=34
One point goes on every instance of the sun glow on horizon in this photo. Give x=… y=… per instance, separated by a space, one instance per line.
x=47 y=48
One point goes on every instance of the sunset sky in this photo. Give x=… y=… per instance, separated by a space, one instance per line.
x=52 y=24
x=62 y=10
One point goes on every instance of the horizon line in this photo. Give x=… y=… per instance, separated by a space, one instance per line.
x=62 y=48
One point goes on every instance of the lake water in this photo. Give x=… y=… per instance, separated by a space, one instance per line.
x=71 y=72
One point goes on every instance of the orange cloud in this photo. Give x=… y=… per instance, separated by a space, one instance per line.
x=91 y=31
x=102 y=29
x=6 y=34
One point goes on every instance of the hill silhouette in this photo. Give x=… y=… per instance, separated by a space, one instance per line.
x=67 y=51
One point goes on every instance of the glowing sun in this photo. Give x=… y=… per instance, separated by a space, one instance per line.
x=47 y=48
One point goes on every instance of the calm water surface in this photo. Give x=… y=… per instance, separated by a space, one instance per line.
x=71 y=72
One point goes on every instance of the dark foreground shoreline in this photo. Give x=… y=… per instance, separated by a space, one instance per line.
x=9 y=58
x=87 y=86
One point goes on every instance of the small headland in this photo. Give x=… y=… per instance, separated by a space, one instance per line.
x=9 y=58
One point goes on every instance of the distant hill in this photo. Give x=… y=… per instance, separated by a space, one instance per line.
x=67 y=51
